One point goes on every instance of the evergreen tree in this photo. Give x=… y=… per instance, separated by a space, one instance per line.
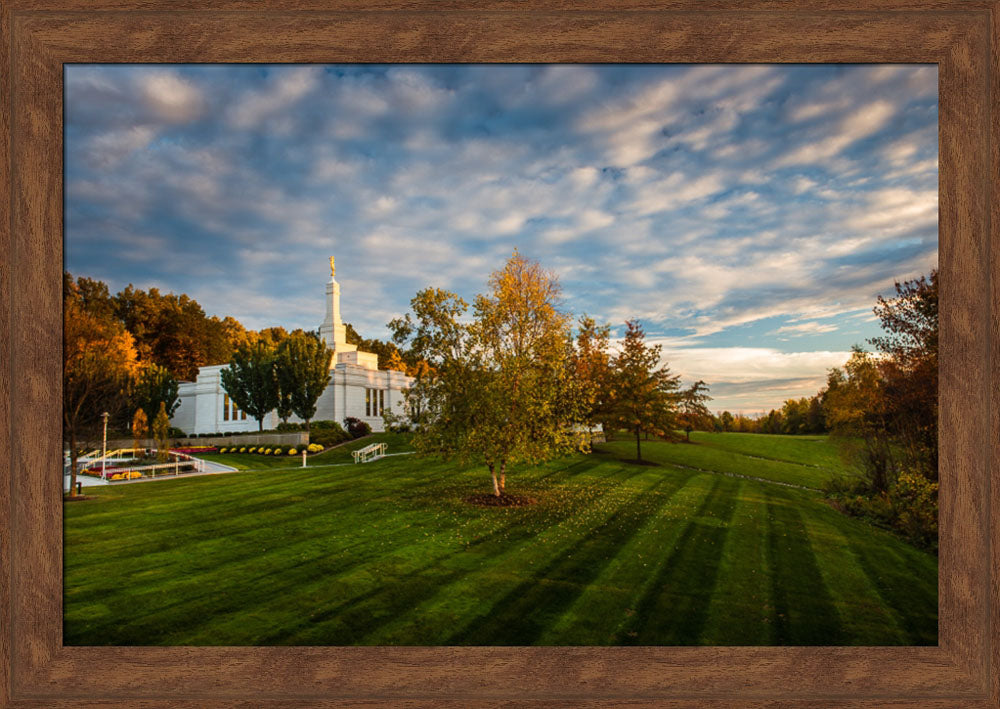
x=645 y=394
x=161 y=429
x=694 y=415
x=140 y=425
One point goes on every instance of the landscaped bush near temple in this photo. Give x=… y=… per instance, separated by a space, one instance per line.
x=327 y=433
x=356 y=427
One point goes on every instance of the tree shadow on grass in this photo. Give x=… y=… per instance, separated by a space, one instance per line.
x=675 y=608
x=528 y=610
x=804 y=613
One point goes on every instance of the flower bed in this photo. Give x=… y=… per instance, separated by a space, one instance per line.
x=196 y=449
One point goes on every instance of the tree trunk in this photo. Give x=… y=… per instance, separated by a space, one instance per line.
x=503 y=474
x=638 y=451
x=496 y=486
x=72 y=463
x=307 y=425
x=260 y=425
x=687 y=432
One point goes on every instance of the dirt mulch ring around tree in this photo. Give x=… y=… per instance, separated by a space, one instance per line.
x=505 y=500
x=80 y=498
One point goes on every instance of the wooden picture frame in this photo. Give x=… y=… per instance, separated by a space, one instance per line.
x=38 y=36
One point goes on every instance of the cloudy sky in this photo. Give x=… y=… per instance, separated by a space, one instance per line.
x=747 y=215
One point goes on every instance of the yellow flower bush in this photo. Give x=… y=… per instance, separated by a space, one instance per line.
x=253 y=449
x=244 y=450
x=292 y=451
x=267 y=452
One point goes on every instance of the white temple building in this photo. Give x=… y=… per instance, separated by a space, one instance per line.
x=357 y=388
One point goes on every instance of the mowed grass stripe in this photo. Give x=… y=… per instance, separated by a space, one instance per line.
x=739 y=611
x=865 y=617
x=803 y=610
x=628 y=573
x=675 y=604
x=520 y=616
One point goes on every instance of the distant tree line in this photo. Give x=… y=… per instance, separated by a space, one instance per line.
x=796 y=416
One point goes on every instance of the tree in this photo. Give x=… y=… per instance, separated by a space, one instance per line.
x=155 y=385
x=303 y=370
x=795 y=414
x=815 y=419
x=856 y=410
x=909 y=369
x=436 y=401
x=140 y=425
x=645 y=393
x=592 y=370
x=528 y=398
x=499 y=389
x=693 y=414
x=727 y=421
x=250 y=381
x=99 y=363
x=161 y=429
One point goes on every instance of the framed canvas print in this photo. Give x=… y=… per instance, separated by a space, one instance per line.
x=450 y=355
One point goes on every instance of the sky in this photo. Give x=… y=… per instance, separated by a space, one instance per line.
x=747 y=215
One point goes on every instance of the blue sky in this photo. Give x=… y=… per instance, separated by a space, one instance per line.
x=747 y=215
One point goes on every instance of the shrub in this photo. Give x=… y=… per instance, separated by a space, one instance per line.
x=243 y=450
x=175 y=433
x=253 y=449
x=916 y=508
x=328 y=435
x=356 y=427
x=284 y=427
x=292 y=451
x=223 y=450
x=909 y=507
x=277 y=451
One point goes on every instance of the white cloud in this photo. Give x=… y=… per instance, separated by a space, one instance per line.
x=748 y=364
x=806 y=328
x=170 y=97
x=896 y=210
x=859 y=124
x=286 y=88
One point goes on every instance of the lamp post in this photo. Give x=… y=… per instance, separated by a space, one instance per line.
x=104 y=445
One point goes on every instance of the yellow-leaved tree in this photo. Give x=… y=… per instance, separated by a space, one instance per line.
x=99 y=362
x=499 y=389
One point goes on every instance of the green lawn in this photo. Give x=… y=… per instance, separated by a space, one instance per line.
x=387 y=553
